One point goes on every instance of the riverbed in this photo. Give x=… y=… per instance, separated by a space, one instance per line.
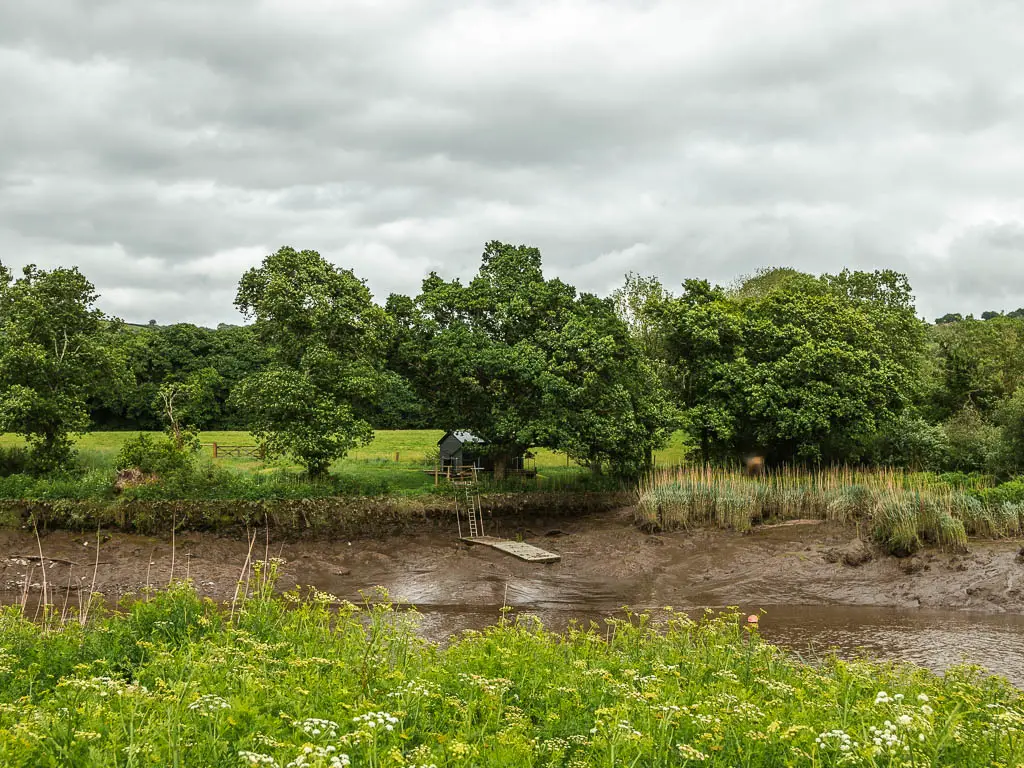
x=937 y=610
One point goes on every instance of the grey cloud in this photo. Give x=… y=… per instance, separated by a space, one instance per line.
x=163 y=145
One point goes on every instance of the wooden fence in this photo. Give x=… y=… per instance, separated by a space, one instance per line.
x=237 y=451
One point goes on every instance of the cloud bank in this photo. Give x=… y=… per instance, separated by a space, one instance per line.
x=164 y=147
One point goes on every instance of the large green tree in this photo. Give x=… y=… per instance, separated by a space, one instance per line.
x=797 y=367
x=325 y=338
x=57 y=351
x=524 y=361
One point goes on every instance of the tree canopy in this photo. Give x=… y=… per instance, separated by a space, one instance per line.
x=325 y=339
x=525 y=361
x=796 y=367
x=57 y=352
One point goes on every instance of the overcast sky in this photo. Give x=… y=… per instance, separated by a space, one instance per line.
x=164 y=146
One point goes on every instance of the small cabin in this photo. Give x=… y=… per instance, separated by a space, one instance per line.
x=461 y=450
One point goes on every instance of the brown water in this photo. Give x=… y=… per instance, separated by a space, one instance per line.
x=930 y=638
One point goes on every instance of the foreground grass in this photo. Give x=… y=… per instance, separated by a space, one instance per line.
x=903 y=510
x=291 y=682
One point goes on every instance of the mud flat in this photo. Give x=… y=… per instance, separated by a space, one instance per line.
x=801 y=574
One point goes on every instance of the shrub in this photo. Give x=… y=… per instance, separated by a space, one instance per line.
x=154 y=456
x=1010 y=492
x=974 y=444
x=911 y=442
x=14 y=461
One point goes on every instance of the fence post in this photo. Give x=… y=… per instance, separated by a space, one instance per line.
x=215 y=450
x=396 y=457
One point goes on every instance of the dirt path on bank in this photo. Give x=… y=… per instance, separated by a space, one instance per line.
x=606 y=563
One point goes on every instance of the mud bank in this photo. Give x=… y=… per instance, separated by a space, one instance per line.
x=336 y=516
x=607 y=563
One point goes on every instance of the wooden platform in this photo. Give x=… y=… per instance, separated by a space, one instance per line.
x=518 y=549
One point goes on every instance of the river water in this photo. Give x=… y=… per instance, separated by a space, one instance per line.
x=930 y=638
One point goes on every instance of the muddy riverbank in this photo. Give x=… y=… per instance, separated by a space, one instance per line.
x=935 y=610
x=606 y=563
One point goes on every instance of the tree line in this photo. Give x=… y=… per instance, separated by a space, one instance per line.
x=793 y=367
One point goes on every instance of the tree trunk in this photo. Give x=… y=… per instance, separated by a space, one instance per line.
x=500 y=466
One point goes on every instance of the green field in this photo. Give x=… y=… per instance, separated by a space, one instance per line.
x=395 y=457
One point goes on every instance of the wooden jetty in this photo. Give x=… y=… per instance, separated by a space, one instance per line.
x=522 y=550
x=470 y=506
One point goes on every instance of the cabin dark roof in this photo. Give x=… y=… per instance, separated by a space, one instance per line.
x=463 y=436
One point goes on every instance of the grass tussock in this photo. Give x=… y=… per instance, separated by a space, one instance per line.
x=904 y=510
x=293 y=681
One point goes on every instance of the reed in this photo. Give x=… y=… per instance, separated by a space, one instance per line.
x=903 y=510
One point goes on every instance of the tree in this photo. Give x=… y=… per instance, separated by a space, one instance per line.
x=977 y=363
x=636 y=303
x=1010 y=417
x=325 y=338
x=949 y=318
x=56 y=352
x=974 y=442
x=910 y=441
x=184 y=403
x=703 y=337
x=174 y=353
x=601 y=392
x=797 y=367
x=524 y=361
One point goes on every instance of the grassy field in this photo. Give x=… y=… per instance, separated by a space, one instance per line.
x=289 y=681
x=413 y=450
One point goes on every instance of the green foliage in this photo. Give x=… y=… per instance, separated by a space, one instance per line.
x=290 y=415
x=1011 y=492
x=793 y=366
x=979 y=363
x=910 y=441
x=160 y=456
x=177 y=353
x=1010 y=417
x=325 y=338
x=637 y=304
x=56 y=352
x=174 y=680
x=524 y=362
x=14 y=461
x=974 y=443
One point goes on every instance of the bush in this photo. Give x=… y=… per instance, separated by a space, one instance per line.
x=974 y=444
x=14 y=461
x=911 y=442
x=1011 y=492
x=158 y=456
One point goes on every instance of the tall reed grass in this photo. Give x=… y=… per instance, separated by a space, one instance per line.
x=904 y=510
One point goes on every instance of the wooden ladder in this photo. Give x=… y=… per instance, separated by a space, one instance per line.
x=474 y=509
